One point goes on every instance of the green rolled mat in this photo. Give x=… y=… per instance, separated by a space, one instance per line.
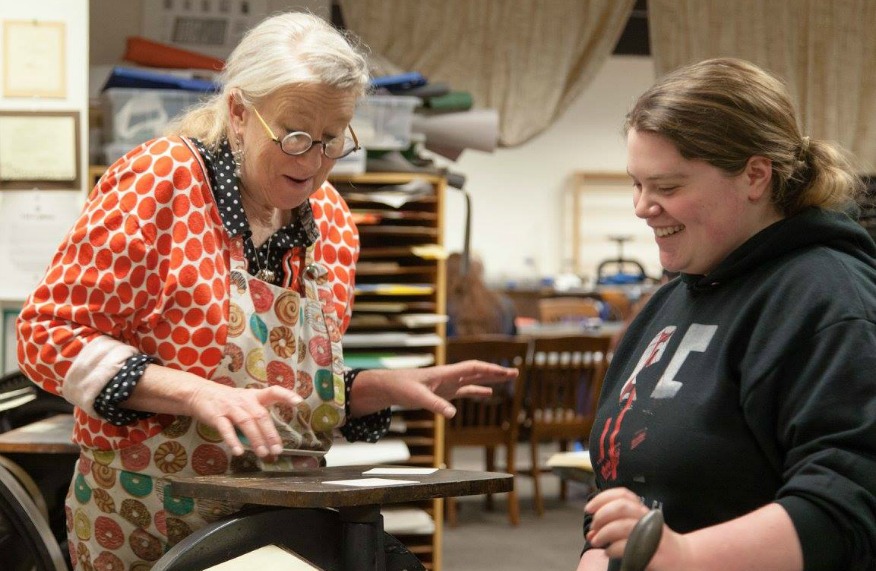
x=453 y=101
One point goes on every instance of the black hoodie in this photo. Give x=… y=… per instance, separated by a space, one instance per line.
x=756 y=384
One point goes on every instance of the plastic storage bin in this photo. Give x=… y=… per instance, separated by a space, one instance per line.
x=133 y=116
x=114 y=151
x=354 y=163
x=383 y=122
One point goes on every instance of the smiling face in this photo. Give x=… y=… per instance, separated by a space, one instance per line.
x=271 y=178
x=698 y=212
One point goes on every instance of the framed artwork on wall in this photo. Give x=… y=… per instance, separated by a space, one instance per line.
x=34 y=59
x=601 y=224
x=40 y=149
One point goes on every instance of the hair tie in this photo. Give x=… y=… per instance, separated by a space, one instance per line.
x=804 y=147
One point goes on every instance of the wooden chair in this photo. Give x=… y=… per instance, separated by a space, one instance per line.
x=618 y=302
x=559 y=309
x=564 y=377
x=490 y=422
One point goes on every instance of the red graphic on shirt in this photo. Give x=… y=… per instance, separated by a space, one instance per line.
x=608 y=459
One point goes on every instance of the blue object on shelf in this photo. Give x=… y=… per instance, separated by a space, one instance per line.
x=147 y=79
x=399 y=81
x=621 y=278
x=621 y=266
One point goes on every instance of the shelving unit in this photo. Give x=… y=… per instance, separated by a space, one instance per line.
x=400 y=304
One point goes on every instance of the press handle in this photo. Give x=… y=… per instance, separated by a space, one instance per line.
x=641 y=544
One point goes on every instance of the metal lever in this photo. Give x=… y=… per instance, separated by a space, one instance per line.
x=643 y=542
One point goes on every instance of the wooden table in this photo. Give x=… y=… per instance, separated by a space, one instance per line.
x=359 y=507
x=31 y=453
x=50 y=436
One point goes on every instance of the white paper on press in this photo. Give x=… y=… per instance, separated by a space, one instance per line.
x=371 y=482
x=401 y=471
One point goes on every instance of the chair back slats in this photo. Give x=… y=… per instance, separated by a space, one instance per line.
x=491 y=422
x=553 y=399
x=571 y=309
x=496 y=412
x=564 y=378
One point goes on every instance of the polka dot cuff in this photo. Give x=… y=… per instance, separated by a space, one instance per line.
x=370 y=428
x=119 y=389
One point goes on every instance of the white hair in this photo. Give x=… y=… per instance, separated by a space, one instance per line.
x=286 y=49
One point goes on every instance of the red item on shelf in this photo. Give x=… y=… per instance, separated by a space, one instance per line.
x=147 y=52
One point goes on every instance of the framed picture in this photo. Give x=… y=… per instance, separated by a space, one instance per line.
x=34 y=59
x=601 y=224
x=39 y=150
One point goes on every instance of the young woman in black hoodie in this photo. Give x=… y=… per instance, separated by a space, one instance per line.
x=742 y=399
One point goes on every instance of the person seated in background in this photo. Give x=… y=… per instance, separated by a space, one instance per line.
x=473 y=307
x=741 y=400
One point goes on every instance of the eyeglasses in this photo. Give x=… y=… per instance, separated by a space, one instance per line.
x=298 y=142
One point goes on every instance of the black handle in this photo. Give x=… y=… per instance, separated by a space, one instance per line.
x=641 y=544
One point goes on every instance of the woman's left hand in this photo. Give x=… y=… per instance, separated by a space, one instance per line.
x=429 y=388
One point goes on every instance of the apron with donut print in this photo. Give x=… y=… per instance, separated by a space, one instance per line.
x=120 y=515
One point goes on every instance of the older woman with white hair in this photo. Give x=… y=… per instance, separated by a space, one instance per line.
x=194 y=312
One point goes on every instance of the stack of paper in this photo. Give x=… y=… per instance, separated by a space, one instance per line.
x=376 y=267
x=387 y=450
x=15 y=398
x=395 y=289
x=392 y=339
x=421 y=319
x=388 y=360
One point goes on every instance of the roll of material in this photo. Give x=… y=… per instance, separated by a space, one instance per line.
x=422 y=91
x=453 y=101
x=448 y=134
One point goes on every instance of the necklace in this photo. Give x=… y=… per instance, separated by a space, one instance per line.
x=264 y=273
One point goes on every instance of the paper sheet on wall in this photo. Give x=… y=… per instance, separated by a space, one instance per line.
x=35 y=59
x=32 y=224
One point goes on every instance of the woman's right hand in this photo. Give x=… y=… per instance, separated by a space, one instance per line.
x=230 y=410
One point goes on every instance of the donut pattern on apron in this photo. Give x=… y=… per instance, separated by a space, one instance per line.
x=120 y=514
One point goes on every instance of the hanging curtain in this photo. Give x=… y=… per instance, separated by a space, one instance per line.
x=824 y=50
x=528 y=59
